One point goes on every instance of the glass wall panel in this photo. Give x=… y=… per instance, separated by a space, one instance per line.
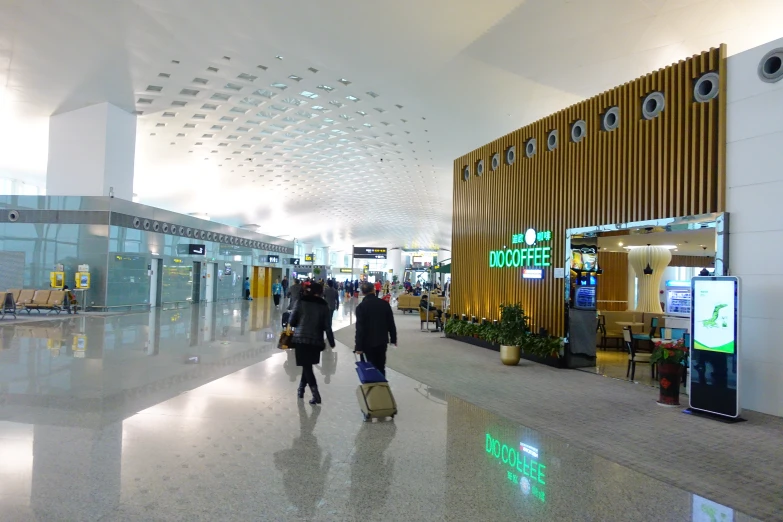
x=177 y=281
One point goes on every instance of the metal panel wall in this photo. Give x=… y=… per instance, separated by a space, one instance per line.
x=672 y=165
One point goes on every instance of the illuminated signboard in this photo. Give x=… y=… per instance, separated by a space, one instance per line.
x=532 y=273
x=369 y=253
x=272 y=259
x=530 y=255
x=309 y=258
x=346 y=270
x=523 y=465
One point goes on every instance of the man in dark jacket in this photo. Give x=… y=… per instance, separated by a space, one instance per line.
x=294 y=293
x=332 y=298
x=374 y=328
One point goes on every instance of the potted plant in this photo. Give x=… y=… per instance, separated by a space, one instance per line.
x=512 y=331
x=316 y=271
x=670 y=356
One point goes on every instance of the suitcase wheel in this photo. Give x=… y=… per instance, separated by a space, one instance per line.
x=367 y=417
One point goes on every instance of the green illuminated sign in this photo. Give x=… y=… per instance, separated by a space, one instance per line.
x=525 y=468
x=524 y=257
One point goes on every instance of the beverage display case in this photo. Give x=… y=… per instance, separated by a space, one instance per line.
x=678 y=298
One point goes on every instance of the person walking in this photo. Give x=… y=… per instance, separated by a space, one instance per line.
x=246 y=288
x=378 y=287
x=375 y=328
x=332 y=298
x=294 y=293
x=310 y=320
x=284 y=282
x=277 y=291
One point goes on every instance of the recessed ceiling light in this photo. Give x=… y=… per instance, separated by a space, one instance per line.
x=308 y=94
x=227 y=58
x=352 y=98
x=160 y=124
x=243 y=129
x=217 y=127
x=280 y=85
x=189 y=92
x=361 y=113
x=279 y=108
x=199 y=116
x=222 y=144
x=207 y=136
x=153 y=134
x=239 y=110
x=144 y=100
x=344 y=81
x=175 y=62
x=210 y=107
x=398 y=106
x=380 y=110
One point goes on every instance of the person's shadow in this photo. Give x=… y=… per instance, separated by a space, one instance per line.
x=304 y=474
x=371 y=470
x=328 y=364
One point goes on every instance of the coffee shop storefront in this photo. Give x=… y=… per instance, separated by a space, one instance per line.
x=541 y=214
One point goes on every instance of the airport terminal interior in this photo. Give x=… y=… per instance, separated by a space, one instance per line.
x=551 y=226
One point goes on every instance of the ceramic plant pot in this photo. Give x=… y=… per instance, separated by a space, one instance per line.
x=509 y=355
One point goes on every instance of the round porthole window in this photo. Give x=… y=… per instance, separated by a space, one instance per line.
x=511 y=155
x=578 y=131
x=771 y=66
x=480 y=167
x=155 y=226
x=221 y=238
x=551 y=140
x=181 y=231
x=189 y=232
x=652 y=105
x=495 y=161
x=202 y=234
x=165 y=228
x=13 y=216
x=136 y=222
x=147 y=224
x=465 y=173
x=610 y=119
x=706 y=87
x=209 y=236
x=530 y=148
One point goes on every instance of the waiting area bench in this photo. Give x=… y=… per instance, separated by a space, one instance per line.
x=28 y=300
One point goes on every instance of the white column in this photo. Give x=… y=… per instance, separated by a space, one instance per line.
x=91 y=152
x=657 y=258
x=394 y=261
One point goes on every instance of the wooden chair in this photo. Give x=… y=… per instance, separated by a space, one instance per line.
x=608 y=334
x=634 y=356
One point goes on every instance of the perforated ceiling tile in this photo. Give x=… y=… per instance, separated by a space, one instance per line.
x=189 y=92
x=280 y=85
x=220 y=96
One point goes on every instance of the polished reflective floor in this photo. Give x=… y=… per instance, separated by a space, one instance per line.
x=192 y=415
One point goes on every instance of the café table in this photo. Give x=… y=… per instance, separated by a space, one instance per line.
x=629 y=324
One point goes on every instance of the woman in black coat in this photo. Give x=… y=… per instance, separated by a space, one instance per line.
x=310 y=320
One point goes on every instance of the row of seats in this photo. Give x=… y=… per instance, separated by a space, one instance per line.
x=410 y=302
x=29 y=300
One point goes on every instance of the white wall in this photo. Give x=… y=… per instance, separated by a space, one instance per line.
x=755 y=200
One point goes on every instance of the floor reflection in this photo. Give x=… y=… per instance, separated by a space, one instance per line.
x=239 y=446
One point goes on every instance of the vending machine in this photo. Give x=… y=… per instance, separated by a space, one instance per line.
x=678 y=298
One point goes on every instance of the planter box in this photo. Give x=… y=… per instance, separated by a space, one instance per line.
x=555 y=362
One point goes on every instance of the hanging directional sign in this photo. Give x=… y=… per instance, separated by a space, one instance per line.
x=191 y=250
x=369 y=253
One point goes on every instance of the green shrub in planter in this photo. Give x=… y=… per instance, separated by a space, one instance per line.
x=513 y=328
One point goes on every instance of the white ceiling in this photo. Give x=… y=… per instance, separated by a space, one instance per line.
x=449 y=75
x=686 y=243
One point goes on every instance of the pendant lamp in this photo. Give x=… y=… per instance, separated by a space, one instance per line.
x=648 y=269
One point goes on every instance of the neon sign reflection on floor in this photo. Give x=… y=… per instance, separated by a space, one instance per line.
x=524 y=463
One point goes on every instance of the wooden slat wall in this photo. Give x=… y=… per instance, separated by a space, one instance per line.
x=612 y=290
x=670 y=166
x=692 y=261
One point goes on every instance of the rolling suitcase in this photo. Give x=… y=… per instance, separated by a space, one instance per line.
x=374 y=394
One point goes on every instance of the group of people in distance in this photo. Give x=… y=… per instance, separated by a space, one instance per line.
x=312 y=305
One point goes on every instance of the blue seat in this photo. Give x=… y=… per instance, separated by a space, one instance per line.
x=649 y=336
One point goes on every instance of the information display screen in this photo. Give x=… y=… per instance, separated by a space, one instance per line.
x=714 y=357
x=369 y=253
